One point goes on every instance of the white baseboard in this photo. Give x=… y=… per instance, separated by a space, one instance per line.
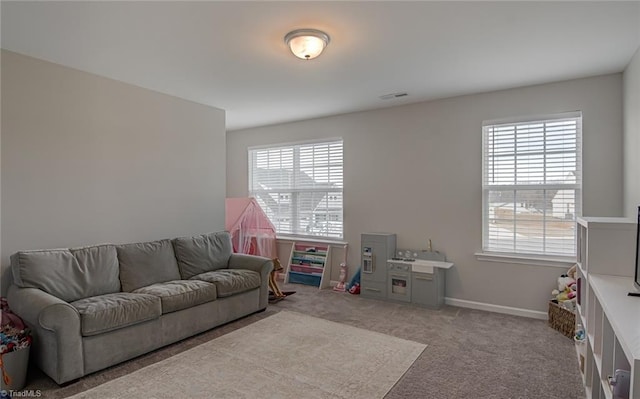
x=534 y=314
x=463 y=303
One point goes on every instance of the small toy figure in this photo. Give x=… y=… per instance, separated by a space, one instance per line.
x=355 y=289
x=340 y=287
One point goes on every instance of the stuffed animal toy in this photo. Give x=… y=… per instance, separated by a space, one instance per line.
x=565 y=295
x=565 y=281
x=566 y=289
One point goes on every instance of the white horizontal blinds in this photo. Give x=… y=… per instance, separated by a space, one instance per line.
x=532 y=186
x=270 y=183
x=300 y=187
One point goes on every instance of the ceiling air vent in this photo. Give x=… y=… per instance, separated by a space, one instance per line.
x=393 y=95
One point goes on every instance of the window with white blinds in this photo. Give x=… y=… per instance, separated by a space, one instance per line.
x=532 y=180
x=299 y=186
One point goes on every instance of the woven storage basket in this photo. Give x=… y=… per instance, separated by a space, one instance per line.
x=561 y=319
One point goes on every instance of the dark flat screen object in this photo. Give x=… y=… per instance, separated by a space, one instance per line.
x=636 y=279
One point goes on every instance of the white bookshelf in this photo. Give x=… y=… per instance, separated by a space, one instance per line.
x=606 y=264
x=309 y=264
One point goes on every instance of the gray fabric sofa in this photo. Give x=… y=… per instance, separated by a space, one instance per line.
x=93 y=307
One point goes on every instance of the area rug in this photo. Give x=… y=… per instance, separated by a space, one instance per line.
x=287 y=355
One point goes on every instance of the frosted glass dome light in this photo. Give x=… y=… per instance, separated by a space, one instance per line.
x=306 y=44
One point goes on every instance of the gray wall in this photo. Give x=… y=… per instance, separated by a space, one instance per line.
x=631 y=79
x=416 y=170
x=87 y=160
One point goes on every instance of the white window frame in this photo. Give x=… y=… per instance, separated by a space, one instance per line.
x=543 y=259
x=313 y=228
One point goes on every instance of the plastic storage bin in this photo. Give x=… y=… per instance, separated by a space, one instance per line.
x=14 y=365
x=304 y=278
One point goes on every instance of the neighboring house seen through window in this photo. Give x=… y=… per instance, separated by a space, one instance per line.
x=299 y=186
x=532 y=185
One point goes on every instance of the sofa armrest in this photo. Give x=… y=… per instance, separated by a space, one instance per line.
x=55 y=325
x=36 y=307
x=259 y=264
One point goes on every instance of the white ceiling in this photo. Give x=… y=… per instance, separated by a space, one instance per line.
x=231 y=55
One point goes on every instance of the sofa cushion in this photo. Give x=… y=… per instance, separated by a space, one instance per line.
x=108 y=312
x=180 y=294
x=100 y=264
x=203 y=253
x=231 y=281
x=146 y=263
x=65 y=276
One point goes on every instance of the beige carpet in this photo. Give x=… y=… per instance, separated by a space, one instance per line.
x=287 y=355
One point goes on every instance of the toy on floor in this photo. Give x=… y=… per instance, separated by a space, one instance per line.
x=275 y=294
x=341 y=286
x=354 y=284
x=355 y=289
x=355 y=279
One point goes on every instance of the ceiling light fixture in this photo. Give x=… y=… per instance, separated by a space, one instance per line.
x=306 y=43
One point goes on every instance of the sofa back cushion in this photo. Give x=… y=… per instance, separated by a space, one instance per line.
x=58 y=272
x=146 y=263
x=203 y=253
x=100 y=263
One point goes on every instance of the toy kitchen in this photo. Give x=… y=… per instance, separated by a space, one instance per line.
x=405 y=275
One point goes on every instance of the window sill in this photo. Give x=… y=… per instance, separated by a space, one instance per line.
x=531 y=260
x=319 y=240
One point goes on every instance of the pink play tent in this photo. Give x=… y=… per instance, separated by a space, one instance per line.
x=251 y=230
x=253 y=233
